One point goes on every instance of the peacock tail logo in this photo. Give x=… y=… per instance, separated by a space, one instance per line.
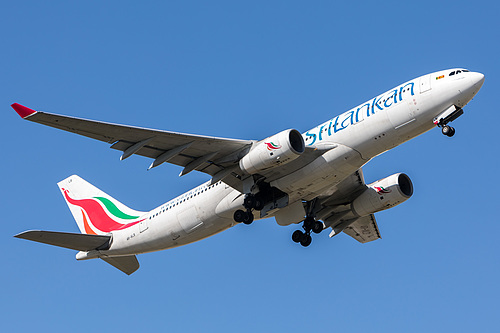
x=272 y=146
x=381 y=190
x=102 y=214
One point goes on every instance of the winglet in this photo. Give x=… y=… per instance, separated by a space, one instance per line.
x=22 y=110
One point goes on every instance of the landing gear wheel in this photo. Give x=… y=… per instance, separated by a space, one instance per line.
x=239 y=215
x=297 y=236
x=259 y=204
x=248 y=219
x=452 y=132
x=309 y=223
x=249 y=201
x=317 y=227
x=306 y=240
x=448 y=131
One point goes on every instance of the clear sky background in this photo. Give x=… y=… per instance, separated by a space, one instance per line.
x=247 y=70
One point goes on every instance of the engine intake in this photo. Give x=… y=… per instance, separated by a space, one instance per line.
x=383 y=194
x=273 y=151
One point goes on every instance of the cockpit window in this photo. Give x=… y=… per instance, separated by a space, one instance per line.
x=458 y=72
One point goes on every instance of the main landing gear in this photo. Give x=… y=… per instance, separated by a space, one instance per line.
x=259 y=201
x=243 y=216
x=251 y=201
x=304 y=238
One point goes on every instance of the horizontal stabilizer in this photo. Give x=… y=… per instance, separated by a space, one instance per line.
x=126 y=264
x=80 y=242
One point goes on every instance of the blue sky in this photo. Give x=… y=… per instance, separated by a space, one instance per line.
x=247 y=70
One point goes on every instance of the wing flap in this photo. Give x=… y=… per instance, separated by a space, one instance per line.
x=364 y=229
x=80 y=242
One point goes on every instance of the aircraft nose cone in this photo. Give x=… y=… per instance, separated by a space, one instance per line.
x=477 y=79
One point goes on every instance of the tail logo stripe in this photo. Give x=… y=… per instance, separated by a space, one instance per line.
x=88 y=229
x=97 y=215
x=111 y=207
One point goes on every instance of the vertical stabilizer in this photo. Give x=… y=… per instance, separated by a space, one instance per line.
x=95 y=212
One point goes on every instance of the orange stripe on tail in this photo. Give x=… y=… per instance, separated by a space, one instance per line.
x=88 y=230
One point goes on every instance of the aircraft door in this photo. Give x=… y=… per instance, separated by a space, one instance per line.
x=143 y=226
x=425 y=83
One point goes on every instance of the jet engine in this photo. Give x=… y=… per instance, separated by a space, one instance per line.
x=276 y=150
x=383 y=194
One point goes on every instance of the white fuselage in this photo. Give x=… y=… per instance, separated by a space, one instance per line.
x=349 y=141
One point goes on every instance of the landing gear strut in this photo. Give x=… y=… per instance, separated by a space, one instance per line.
x=450 y=114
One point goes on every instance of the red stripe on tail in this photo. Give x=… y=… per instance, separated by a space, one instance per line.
x=97 y=216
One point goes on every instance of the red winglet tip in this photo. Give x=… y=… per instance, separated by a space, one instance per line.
x=22 y=110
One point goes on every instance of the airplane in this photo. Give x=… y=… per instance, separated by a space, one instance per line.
x=314 y=178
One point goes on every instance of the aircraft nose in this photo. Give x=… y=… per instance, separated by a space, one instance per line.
x=477 y=79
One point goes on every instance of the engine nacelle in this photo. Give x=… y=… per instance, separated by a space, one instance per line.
x=276 y=150
x=383 y=194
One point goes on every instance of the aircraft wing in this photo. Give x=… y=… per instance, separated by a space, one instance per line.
x=217 y=157
x=364 y=229
x=335 y=210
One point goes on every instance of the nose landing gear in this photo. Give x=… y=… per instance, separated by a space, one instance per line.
x=304 y=238
x=450 y=114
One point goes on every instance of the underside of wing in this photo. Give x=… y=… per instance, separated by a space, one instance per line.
x=218 y=157
x=364 y=229
x=336 y=211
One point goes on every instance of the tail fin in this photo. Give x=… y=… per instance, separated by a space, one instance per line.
x=95 y=212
